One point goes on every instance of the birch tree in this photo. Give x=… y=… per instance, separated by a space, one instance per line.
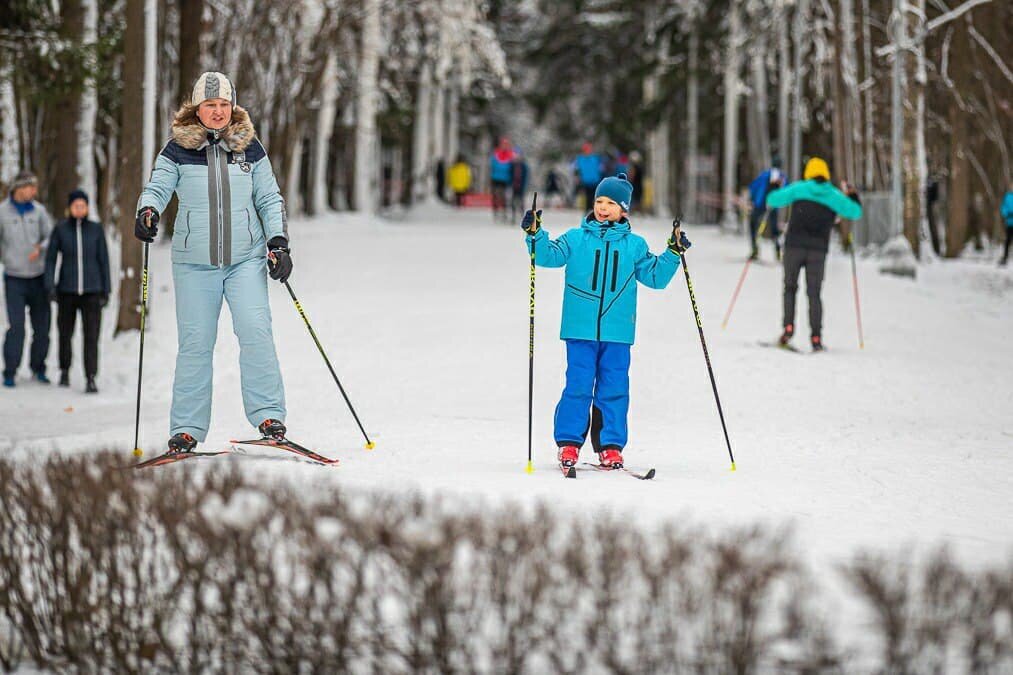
x=731 y=123
x=366 y=159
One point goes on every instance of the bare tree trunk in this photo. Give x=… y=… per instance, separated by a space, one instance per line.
x=801 y=35
x=849 y=71
x=783 y=83
x=914 y=133
x=731 y=87
x=89 y=111
x=453 y=123
x=131 y=170
x=870 y=124
x=192 y=28
x=438 y=119
x=693 y=127
x=10 y=139
x=839 y=164
x=421 y=142
x=958 y=200
x=60 y=141
x=761 y=123
x=366 y=160
x=322 y=137
x=658 y=140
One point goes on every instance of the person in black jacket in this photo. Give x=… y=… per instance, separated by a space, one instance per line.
x=83 y=284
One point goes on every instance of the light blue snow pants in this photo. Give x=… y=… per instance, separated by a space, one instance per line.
x=199 y=293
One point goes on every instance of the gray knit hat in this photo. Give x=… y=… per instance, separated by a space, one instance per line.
x=23 y=179
x=213 y=85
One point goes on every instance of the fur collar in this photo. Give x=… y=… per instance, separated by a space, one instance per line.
x=188 y=132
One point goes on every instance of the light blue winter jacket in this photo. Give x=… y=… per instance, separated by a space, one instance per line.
x=229 y=201
x=603 y=264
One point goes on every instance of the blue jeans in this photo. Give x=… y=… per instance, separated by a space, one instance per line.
x=30 y=294
x=200 y=290
x=596 y=398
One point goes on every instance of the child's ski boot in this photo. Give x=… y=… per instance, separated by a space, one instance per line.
x=610 y=458
x=182 y=443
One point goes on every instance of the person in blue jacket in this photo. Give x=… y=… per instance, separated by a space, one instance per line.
x=768 y=181
x=82 y=286
x=1007 y=215
x=501 y=174
x=815 y=206
x=604 y=262
x=588 y=168
x=229 y=233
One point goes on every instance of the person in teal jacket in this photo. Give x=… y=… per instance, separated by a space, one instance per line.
x=229 y=233
x=604 y=262
x=815 y=205
x=1007 y=215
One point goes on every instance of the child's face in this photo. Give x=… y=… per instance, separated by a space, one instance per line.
x=606 y=209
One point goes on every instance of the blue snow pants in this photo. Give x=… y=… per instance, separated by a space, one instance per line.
x=596 y=398
x=199 y=293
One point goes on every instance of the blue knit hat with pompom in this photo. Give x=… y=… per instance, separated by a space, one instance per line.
x=618 y=189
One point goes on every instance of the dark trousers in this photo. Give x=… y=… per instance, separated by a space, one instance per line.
x=756 y=217
x=814 y=263
x=90 y=306
x=499 y=197
x=588 y=195
x=1009 y=239
x=21 y=294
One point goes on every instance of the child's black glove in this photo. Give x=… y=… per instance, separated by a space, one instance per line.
x=532 y=222
x=678 y=242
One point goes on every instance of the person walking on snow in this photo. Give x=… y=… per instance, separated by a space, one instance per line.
x=587 y=166
x=1007 y=215
x=815 y=204
x=83 y=284
x=230 y=232
x=519 y=183
x=459 y=178
x=604 y=261
x=24 y=232
x=769 y=180
x=501 y=175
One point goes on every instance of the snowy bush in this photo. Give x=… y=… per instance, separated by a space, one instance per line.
x=105 y=570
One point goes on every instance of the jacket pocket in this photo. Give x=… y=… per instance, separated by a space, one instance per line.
x=181 y=231
x=594 y=275
x=615 y=269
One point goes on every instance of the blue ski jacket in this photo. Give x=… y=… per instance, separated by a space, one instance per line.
x=229 y=201
x=1007 y=209
x=604 y=262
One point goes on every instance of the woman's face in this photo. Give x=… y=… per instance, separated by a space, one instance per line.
x=79 y=209
x=215 y=113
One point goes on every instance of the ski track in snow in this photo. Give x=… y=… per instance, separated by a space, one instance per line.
x=903 y=446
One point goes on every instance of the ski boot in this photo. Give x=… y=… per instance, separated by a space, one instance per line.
x=568 y=455
x=272 y=429
x=182 y=442
x=817 y=344
x=610 y=458
x=786 y=336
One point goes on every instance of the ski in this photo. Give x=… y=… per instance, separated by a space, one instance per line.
x=778 y=345
x=175 y=456
x=647 y=475
x=285 y=444
x=568 y=471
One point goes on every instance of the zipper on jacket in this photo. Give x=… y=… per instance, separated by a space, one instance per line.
x=80 y=259
x=594 y=278
x=615 y=269
x=601 y=298
x=186 y=238
x=221 y=216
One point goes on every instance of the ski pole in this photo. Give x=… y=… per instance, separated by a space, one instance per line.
x=703 y=343
x=742 y=277
x=531 y=339
x=854 y=283
x=369 y=444
x=140 y=357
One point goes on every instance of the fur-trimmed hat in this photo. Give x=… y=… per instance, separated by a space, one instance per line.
x=212 y=85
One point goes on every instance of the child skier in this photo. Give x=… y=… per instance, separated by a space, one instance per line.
x=603 y=261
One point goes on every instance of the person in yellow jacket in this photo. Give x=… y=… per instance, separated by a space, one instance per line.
x=459 y=178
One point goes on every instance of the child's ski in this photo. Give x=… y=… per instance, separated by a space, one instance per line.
x=285 y=444
x=648 y=475
x=568 y=471
x=175 y=456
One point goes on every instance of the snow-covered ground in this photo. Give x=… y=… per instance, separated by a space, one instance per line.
x=425 y=317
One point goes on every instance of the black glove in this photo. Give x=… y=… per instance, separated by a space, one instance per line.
x=103 y=300
x=532 y=222
x=279 y=259
x=141 y=228
x=678 y=246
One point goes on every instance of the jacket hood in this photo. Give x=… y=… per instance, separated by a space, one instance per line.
x=189 y=133
x=609 y=232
